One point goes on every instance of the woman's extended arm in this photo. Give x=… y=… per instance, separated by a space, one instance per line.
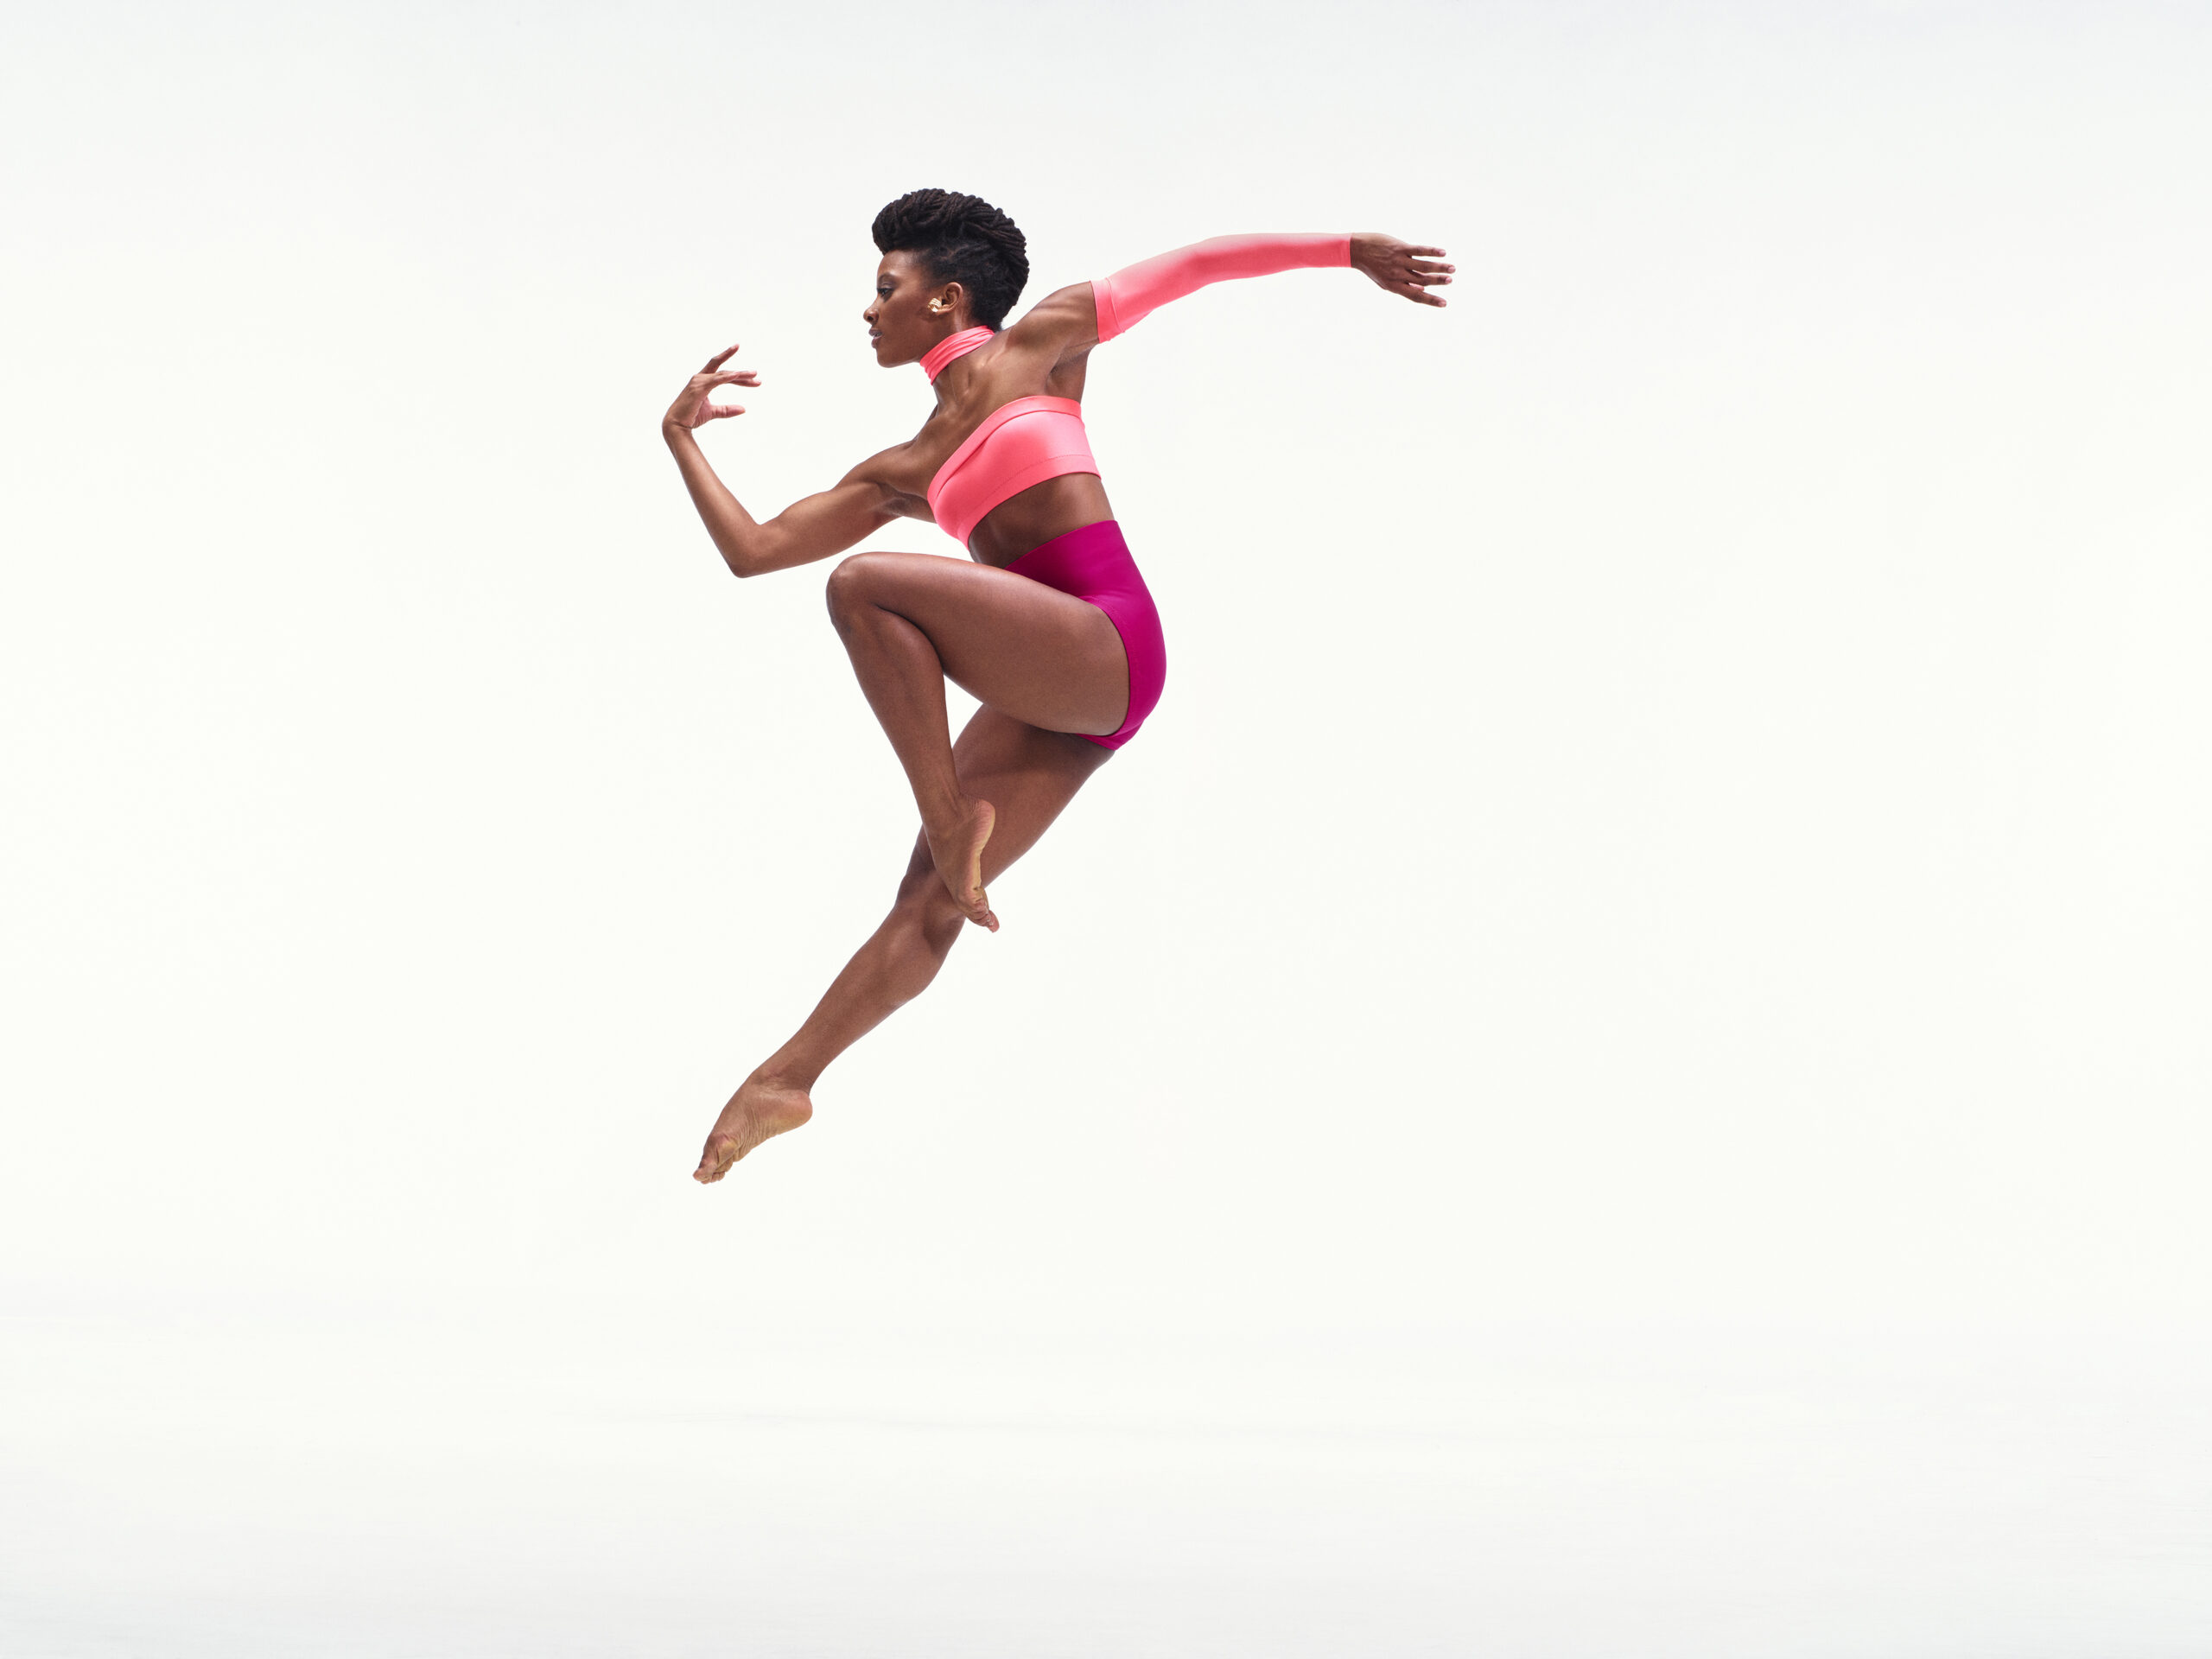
x=810 y=529
x=1091 y=313
x=1128 y=295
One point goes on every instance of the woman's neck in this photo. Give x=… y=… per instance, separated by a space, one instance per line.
x=950 y=349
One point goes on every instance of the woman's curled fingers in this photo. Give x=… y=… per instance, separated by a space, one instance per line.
x=705 y=384
x=694 y=405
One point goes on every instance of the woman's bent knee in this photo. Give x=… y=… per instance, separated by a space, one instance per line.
x=854 y=583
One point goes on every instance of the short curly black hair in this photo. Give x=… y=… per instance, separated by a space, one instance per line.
x=960 y=239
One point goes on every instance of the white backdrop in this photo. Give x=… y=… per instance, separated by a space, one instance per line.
x=1635 y=1018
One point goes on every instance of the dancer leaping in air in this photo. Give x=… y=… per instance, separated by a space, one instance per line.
x=1048 y=625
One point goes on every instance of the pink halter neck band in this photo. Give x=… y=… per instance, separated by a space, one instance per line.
x=952 y=347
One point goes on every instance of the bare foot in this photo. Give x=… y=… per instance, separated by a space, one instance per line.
x=756 y=1111
x=958 y=850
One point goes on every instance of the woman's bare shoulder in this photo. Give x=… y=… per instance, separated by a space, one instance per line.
x=1063 y=323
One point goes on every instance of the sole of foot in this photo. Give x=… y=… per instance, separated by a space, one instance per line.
x=958 y=851
x=756 y=1112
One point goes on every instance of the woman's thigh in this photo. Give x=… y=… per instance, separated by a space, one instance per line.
x=1028 y=774
x=1048 y=658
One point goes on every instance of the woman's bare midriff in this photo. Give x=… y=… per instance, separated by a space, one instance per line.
x=1032 y=517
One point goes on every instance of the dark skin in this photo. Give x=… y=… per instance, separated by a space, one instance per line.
x=1048 y=668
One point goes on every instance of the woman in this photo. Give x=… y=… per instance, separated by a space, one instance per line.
x=1050 y=627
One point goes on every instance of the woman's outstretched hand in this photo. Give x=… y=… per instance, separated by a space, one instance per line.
x=691 y=410
x=1401 y=267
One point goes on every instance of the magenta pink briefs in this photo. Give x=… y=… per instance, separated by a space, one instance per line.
x=1094 y=565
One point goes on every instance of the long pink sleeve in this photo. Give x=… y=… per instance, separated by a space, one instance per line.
x=1128 y=296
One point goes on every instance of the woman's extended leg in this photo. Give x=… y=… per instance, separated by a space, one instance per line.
x=1028 y=774
x=910 y=621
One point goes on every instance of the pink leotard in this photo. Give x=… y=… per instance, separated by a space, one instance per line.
x=1031 y=439
x=1019 y=444
x=1093 y=563
x=1025 y=442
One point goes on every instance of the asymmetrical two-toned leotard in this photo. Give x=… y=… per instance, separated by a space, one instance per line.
x=1026 y=441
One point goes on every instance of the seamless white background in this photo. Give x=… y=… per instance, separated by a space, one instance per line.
x=1622 y=1069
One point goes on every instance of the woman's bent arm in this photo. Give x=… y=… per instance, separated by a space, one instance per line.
x=806 y=531
x=812 y=528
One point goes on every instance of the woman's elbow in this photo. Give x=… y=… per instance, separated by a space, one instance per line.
x=745 y=562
